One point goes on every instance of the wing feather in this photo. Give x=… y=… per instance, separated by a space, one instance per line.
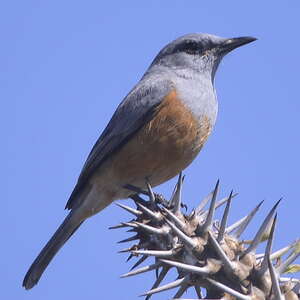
x=137 y=108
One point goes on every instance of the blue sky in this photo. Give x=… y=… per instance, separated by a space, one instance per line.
x=65 y=66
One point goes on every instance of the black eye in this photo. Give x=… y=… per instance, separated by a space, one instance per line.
x=190 y=47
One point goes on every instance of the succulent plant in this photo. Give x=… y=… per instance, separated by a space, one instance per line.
x=207 y=254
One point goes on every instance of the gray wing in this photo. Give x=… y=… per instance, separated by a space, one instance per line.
x=134 y=111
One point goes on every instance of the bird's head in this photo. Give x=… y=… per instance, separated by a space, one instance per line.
x=199 y=52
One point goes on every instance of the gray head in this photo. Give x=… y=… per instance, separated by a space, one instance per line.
x=199 y=52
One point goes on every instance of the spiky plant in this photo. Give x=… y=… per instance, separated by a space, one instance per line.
x=208 y=254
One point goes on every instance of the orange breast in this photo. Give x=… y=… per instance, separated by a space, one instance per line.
x=163 y=147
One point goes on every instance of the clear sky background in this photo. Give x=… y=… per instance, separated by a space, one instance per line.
x=65 y=66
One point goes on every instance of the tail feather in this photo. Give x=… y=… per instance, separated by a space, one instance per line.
x=62 y=234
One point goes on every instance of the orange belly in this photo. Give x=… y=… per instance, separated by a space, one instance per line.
x=161 y=148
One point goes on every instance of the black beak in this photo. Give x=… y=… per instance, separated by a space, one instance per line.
x=231 y=44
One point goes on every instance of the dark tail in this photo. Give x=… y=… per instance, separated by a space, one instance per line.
x=62 y=234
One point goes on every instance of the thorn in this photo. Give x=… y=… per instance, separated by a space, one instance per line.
x=225 y=200
x=151 y=229
x=283 y=266
x=283 y=251
x=219 y=203
x=186 y=239
x=142 y=270
x=206 y=226
x=264 y=264
x=175 y=201
x=224 y=219
x=203 y=203
x=174 y=218
x=133 y=211
x=141 y=260
x=224 y=288
x=288 y=279
x=180 y=292
x=275 y=283
x=160 y=278
x=199 y=270
x=150 y=191
x=129 y=257
x=122 y=225
x=198 y=291
x=130 y=224
x=166 y=287
x=261 y=231
x=157 y=253
x=156 y=272
x=235 y=225
x=156 y=216
x=247 y=220
x=126 y=250
x=228 y=266
x=133 y=238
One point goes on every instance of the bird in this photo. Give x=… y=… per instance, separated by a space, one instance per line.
x=155 y=133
